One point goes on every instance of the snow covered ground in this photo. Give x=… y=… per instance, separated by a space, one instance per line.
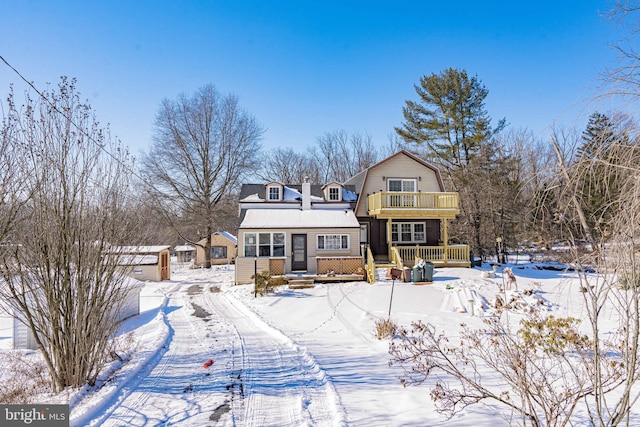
x=305 y=357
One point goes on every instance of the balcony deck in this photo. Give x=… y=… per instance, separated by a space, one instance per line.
x=395 y=205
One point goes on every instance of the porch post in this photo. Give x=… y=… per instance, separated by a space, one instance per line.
x=445 y=240
x=389 y=239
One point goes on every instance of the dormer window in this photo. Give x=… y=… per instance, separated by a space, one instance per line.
x=274 y=193
x=332 y=191
x=334 y=194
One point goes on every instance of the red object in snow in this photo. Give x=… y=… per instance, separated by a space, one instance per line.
x=207 y=363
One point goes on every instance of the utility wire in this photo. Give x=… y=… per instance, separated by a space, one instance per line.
x=81 y=130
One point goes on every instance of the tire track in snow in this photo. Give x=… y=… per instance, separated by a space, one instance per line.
x=283 y=385
x=166 y=381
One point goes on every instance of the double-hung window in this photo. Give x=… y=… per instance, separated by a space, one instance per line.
x=334 y=194
x=274 y=193
x=402 y=186
x=264 y=244
x=334 y=242
x=408 y=232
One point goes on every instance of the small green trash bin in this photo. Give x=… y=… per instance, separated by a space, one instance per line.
x=427 y=271
x=416 y=274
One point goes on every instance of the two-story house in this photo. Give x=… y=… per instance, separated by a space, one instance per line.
x=393 y=213
x=403 y=211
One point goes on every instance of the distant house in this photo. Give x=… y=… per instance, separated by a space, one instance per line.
x=185 y=253
x=23 y=337
x=297 y=230
x=146 y=262
x=223 y=249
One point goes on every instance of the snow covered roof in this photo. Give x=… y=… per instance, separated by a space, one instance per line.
x=131 y=283
x=228 y=235
x=293 y=195
x=252 y=198
x=255 y=193
x=184 y=248
x=349 y=196
x=295 y=218
x=138 y=260
x=139 y=249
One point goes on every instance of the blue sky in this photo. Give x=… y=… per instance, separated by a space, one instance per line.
x=303 y=68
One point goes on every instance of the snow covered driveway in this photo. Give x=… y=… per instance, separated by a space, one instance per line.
x=175 y=388
x=259 y=377
x=282 y=384
x=294 y=358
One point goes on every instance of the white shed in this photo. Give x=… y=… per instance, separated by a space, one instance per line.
x=185 y=253
x=23 y=337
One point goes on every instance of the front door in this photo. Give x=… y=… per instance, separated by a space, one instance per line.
x=299 y=252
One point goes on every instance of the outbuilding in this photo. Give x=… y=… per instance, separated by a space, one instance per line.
x=23 y=337
x=185 y=253
x=223 y=249
x=145 y=262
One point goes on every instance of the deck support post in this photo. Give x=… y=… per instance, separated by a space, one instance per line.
x=389 y=239
x=445 y=241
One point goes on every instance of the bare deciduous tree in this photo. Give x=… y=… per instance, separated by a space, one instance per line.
x=341 y=154
x=56 y=273
x=202 y=147
x=289 y=167
x=13 y=191
x=548 y=364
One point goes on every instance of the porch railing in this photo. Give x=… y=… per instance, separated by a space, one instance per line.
x=396 y=258
x=370 y=267
x=438 y=254
x=399 y=200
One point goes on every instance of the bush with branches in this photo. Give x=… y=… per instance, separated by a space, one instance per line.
x=540 y=372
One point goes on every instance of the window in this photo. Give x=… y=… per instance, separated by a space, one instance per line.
x=408 y=232
x=274 y=193
x=334 y=194
x=405 y=186
x=263 y=244
x=333 y=242
x=219 y=252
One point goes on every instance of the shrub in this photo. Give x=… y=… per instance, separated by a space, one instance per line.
x=266 y=284
x=385 y=328
x=629 y=281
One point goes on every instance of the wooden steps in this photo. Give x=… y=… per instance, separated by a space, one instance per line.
x=301 y=283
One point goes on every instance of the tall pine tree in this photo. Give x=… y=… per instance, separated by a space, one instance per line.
x=451 y=126
x=599 y=183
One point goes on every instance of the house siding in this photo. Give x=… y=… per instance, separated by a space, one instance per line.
x=400 y=166
x=217 y=240
x=245 y=266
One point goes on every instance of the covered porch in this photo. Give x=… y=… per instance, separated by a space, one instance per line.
x=394 y=209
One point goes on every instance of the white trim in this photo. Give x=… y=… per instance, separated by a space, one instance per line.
x=334 y=238
x=257 y=246
x=412 y=225
x=338 y=191
x=274 y=187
